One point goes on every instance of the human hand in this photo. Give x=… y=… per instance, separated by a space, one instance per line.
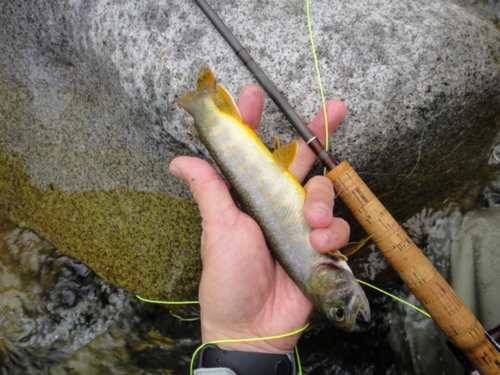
x=244 y=292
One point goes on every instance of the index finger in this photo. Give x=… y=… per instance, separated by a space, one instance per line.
x=250 y=104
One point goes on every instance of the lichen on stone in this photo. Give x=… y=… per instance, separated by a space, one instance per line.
x=147 y=243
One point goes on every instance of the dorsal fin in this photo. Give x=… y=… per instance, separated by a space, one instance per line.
x=285 y=155
x=226 y=103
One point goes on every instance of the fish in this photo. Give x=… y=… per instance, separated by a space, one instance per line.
x=273 y=197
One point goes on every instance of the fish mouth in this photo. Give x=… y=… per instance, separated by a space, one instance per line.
x=363 y=307
x=343 y=292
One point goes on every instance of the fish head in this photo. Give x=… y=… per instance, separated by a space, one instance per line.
x=338 y=295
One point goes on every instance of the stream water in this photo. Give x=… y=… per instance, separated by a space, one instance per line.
x=58 y=317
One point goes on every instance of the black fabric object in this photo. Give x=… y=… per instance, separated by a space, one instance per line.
x=248 y=363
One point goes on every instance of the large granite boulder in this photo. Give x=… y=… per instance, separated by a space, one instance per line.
x=89 y=120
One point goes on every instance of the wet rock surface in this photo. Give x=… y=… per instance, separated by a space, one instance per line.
x=88 y=96
x=141 y=241
x=58 y=317
x=102 y=79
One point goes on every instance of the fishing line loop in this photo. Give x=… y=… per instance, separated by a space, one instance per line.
x=247 y=59
x=323 y=101
x=252 y=339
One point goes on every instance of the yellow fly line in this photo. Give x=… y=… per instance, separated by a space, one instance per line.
x=318 y=74
x=325 y=114
x=253 y=339
x=323 y=102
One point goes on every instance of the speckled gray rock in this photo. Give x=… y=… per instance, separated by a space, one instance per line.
x=406 y=70
x=90 y=87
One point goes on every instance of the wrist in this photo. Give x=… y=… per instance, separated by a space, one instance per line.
x=247 y=363
x=256 y=347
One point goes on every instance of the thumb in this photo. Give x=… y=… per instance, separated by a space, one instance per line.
x=209 y=190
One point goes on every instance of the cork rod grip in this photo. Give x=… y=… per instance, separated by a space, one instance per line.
x=431 y=289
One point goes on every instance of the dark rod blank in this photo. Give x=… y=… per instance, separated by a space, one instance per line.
x=269 y=87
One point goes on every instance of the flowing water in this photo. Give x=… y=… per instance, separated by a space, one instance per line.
x=58 y=317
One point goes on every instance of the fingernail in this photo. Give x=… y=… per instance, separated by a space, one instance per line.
x=175 y=170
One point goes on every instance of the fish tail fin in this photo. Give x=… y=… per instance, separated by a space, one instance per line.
x=206 y=81
x=206 y=86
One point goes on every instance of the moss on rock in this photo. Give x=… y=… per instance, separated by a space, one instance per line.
x=145 y=242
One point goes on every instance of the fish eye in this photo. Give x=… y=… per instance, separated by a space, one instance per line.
x=338 y=314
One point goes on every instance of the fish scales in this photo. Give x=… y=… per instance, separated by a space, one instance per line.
x=266 y=191
x=275 y=199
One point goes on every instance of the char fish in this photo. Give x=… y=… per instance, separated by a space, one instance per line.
x=270 y=194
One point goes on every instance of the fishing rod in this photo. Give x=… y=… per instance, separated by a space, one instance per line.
x=445 y=307
x=269 y=87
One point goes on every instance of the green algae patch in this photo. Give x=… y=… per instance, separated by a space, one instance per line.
x=147 y=243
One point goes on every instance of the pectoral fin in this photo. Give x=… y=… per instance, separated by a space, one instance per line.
x=337 y=256
x=353 y=247
x=194 y=131
x=348 y=250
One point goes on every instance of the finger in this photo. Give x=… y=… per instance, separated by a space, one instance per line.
x=318 y=209
x=250 y=104
x=332 y=238
x=336 y=111
x=208 y=188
